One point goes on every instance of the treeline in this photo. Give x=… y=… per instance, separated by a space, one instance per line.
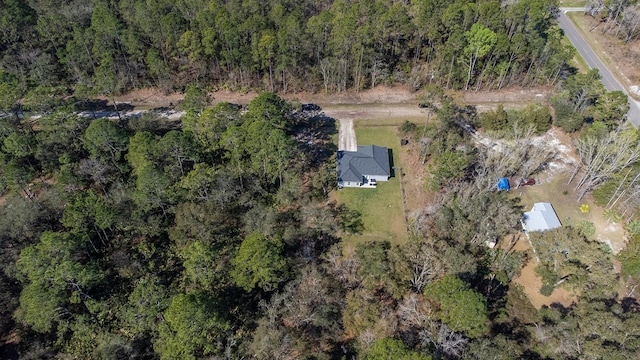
x=582 y=103
x=621 y=18
x=107 y=46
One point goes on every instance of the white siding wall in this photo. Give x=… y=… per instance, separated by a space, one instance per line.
x=379 y=178
x=350 y=184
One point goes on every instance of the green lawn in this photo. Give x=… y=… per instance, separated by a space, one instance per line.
x=577 y=61
x=572 y=3
x=381 y=208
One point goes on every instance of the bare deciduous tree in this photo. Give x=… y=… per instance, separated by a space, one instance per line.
x=630 y=23
x=448 y=343
x=414 y=311
x=426 y=264
x=601 y=158
x=342 y=267
x=522 y=156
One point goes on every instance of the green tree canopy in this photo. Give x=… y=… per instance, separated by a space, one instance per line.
x=10 y=92
x=56 y=275
x=146 y=305
x=390 y=348
x=260 y=263
x=461 y=308
x=271 y=108
x=105 y=140
x=192 y=329
x=480 y=41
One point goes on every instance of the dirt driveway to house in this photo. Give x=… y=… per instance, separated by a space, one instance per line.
x=347 y=135
x=374 y=114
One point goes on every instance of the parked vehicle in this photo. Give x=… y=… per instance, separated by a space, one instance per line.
x=527 y=181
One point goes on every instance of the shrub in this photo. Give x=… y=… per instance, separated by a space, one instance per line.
x=630 y=257
x=546 y=289
x=566 y=118
x=549 y=278
x=408 y=127
x=389 y=348
x=536 y=115
x=461 y=308
x=603 y=193
x=633 y=227
x=612 y=215
x=495 y=120
x=586 y=228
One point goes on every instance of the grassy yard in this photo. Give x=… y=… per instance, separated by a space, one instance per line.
x=381 y=208
x=572 y=3
x=577 y=61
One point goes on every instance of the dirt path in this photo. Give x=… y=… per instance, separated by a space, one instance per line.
x=347 y=136
x=380 y=95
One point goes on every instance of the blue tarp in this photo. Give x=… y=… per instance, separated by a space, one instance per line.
x=503 y=184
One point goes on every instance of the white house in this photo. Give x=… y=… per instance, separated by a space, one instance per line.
x=542 y=217
x=363 y=168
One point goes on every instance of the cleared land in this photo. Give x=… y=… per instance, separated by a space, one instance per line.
x=381 y=208
x=531 y=283
x=572 y=3
x=551 y=186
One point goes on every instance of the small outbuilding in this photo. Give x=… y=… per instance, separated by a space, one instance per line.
x=503 y=184
x=542 y=217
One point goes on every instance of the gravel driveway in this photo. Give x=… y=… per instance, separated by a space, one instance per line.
x=347 y=136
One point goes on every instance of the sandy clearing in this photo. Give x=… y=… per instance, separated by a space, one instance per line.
x=532 y=283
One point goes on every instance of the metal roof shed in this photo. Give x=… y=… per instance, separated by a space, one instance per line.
x=542 y=217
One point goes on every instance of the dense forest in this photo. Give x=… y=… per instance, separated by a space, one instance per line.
x=215 y=236
x=107 y=46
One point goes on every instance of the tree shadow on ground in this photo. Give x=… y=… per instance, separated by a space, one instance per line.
x=99 y=105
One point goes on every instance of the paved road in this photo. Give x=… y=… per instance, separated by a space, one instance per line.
x=609 y=81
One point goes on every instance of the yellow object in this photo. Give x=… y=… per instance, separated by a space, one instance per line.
x=584 y=208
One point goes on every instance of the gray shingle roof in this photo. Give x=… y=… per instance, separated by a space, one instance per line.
x=368 y=160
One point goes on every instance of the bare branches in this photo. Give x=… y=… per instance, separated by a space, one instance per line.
x=601 y=158
x=426 y=264
x=523 y=156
